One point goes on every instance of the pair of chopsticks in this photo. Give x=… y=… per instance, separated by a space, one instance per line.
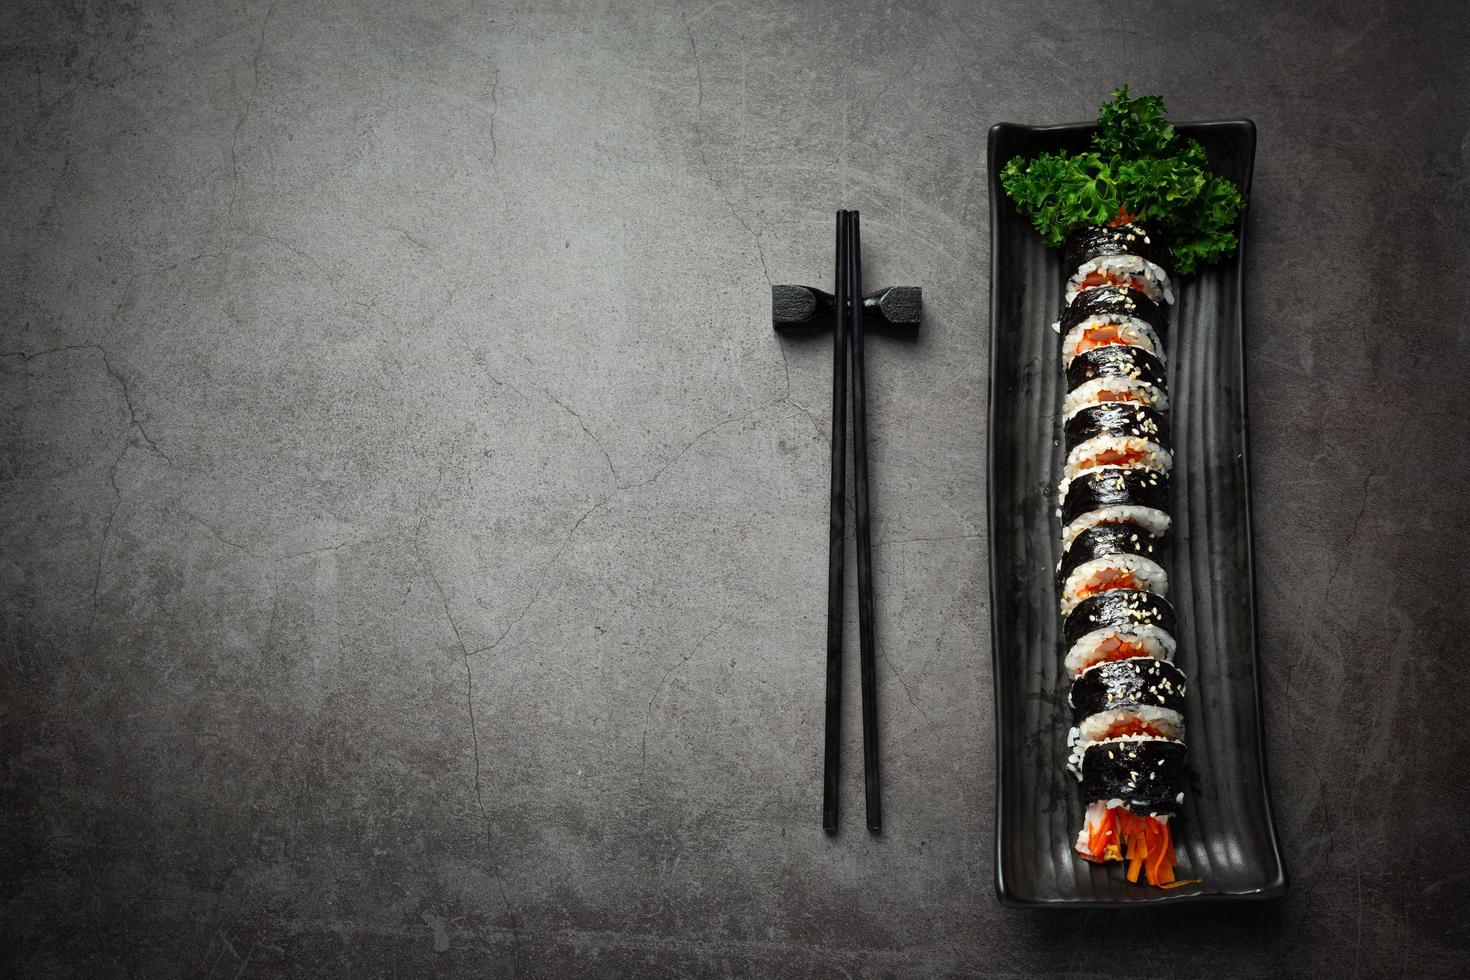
x=848 y=333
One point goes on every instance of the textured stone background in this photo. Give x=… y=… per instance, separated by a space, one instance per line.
x=413 y=537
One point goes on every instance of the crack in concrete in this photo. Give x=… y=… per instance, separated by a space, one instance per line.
x=132 y=410
x=432 y=254
x=590 y=435
x=658 y=689
x=691 y=443
x=551 y=563
x=106 y=536
x=336 y=280
x=219 y=536
x=249 y=104
x=133 y=421
x=289 y=555
x=618 y=483
x=298 y=251
x=494 y=112
x=907 y=691
x=514 y=917
x=29 y=356
x=127 y=291
x=786 y=368
x=541 y=582
x=704 y=154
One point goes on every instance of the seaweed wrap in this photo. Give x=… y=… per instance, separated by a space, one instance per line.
x=1115 y=374
x=1139 y=697
x=1147 y=774
x=1113 y=496
x=1111 y=315
x=1116 y=362
x=1126 y=609
x=1119 y=435
x=1096 y=241
x=1118 y=624
x=1137 y=682
x=1128 y=255
x=1115 y=420
x=1108 y=557
x=1114 y=301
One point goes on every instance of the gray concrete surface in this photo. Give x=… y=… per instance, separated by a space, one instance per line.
x=413 y=536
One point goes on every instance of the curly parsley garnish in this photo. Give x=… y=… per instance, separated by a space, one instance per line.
x=1139 y=169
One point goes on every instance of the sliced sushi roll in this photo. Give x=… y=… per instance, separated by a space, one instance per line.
x=1115 y=300
x=1138 y=681
x=1095 y=241
x=1116 y=435
x=1115 y=420
x=1128 y=256
x=1144 y=771
x=1115 y=496
x=1129 y=271
x=1118 y=624
x=1134 y=785
x=1106 y=329
x=1139 y=696
x=1112 y=374
x=1107 y=557
x=1139 y=720
x=1108 y=316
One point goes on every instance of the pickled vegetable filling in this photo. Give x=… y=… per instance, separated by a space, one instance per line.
x=1112 y=457
x=1113 y=578
x=1095 y=279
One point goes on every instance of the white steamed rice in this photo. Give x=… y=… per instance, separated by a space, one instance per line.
x=1131 y=332
x=1083 y=457
x=1149 y=639
x=1102 y=391
x=1149 y=575
x=1152 y=280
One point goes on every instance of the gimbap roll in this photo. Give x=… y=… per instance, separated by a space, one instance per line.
x=1139 y=696
x=1118 y=624
x=1128 y=271
x=1126 y=746
x=1135 y=784
x=1139 y=720
x=1111 y=315
x=1096 y=241
x=1116 y=435
x=1115 y=420
x=1115 y=301
x=1107 y=557
x=1127 y=740
x=1115 y=496
x=1115 y=374
x=1144 y=771
x=1140 y=681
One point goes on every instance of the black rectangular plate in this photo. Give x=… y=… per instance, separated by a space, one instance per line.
x=1224 y=835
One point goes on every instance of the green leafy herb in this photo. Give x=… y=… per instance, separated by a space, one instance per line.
x=1138 y=169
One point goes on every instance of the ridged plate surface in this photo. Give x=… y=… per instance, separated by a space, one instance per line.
x=1225 y=834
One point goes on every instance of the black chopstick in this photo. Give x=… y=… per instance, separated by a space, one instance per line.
x=854 y=315
x=838 y=534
